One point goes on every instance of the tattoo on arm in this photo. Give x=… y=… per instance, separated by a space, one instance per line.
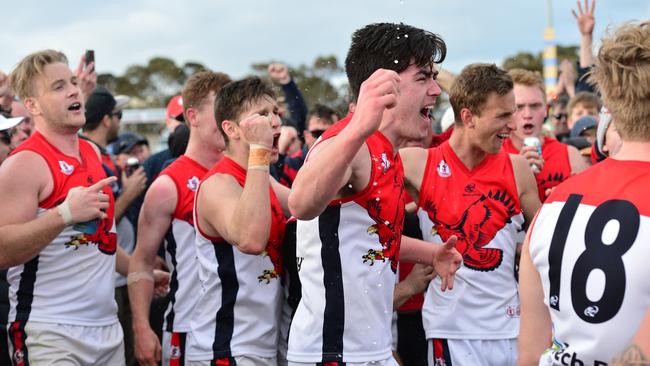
x=632 y=355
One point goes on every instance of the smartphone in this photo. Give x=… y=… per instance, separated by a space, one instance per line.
x=90 y=57
x=132 y=164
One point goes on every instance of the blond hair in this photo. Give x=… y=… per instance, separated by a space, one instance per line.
x=528 y=78
x=33 y=65
x=622 y=74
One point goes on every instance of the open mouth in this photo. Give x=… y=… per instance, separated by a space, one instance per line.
x=528 y=128
x=74 y=107
x=503 y=135
x=425 y=112
x=276 y=139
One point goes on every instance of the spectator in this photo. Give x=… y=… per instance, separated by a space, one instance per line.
x=130 y=144
x=559 y=117
x=6 y=93
x=596 y=222
x=582 y=104
x=586 y=22
x=6 y=125
x=18 y=110
x=319 y=119
x=103 y=117
x=293 y=98
x=471 y=188
x=174 y=118
x=10 y=134
x=585 y=127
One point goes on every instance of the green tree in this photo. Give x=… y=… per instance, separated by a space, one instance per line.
x=151 y=85
x=534 y=62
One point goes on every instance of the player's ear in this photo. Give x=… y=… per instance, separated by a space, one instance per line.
x=467 y=118
x=230 y=129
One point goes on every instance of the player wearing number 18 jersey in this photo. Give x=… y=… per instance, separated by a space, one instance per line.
x=584 y=270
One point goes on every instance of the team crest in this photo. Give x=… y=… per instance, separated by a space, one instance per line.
x=443 y=169
x=66 y=168
x=174 y=352
x=193 y=183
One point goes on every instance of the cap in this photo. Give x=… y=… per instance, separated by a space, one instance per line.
x=127 y=141
x=582 y=124
x=7 y=123
x=175 y=108
x=100 y=103
x=120 y=102
x=605 y=120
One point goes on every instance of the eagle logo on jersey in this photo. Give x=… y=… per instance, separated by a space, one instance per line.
x=106 y=241
x=76 y=241
x=273 y=249
x=389 y=231
x=475 y=228
x=66 y=168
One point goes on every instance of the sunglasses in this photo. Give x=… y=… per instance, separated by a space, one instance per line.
x=316 y=133
x=560 y=115
x=117 y=114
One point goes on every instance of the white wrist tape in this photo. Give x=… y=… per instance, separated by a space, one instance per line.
x=64 y=211
x=134 y=277
x=259 y=146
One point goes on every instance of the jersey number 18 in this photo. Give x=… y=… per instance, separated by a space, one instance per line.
x=597 y=255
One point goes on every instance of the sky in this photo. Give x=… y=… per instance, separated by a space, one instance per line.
x=229 y=36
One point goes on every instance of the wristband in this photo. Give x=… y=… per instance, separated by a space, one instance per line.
x=259 y=157
x=134 y=277
x=64 y=211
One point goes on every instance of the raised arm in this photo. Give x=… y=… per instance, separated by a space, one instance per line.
x=585 y=21
x=22 y=234
x=154 y=221
x=228 y=209
x=331 y=163
x=295 y=101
